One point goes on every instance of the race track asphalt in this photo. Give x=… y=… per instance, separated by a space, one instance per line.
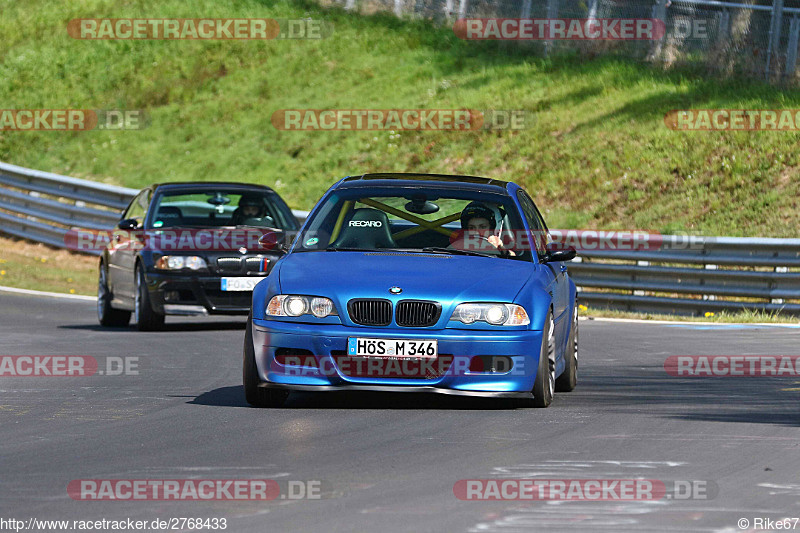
x=389 y=462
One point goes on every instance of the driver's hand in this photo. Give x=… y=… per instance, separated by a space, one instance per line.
x=495 y=241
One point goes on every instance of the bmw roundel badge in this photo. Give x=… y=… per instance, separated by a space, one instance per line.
x=395 y=290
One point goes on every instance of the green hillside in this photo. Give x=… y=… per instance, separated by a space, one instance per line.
x=597 y=154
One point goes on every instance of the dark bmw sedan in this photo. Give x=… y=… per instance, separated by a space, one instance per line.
x=190 y=249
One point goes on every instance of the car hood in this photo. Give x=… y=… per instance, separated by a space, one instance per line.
x=444 y=278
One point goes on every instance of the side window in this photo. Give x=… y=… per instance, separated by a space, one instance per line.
x=138 y=207
x=535 y=222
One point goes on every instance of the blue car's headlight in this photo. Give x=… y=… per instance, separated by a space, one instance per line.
x=496 y=314
x=298 y=305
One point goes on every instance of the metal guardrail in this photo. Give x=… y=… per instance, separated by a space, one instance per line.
x=682 y=275
x=694 y=275
x=43 y=207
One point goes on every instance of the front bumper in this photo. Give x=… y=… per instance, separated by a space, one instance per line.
x=197 y=295
x=328 y=343
x=396 y=388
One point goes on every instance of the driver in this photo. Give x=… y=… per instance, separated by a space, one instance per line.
x=249 y=207
x=480 y=221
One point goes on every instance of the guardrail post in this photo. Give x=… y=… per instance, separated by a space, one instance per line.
x=710 y=297
x=778 y=270
x=552 y=13
x=462 y=8
x=552 y=9
x=660 y=13
x=526 y=9
x=791 y=48
x=350 y=5
x=724 y=25
x=776 y=23
x=633 y=278
x=398 y=8
x=593 y=9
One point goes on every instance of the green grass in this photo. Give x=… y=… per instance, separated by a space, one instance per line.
x=596 y=154
x=26 y=265
x=722 y=317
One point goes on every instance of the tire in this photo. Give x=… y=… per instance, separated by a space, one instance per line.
x=544 y=385
x=567 y=381
x=107 y=315
x=253 y=394
x=146 y=318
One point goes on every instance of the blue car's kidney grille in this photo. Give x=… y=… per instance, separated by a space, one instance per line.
x=417 y=314
x=370 y=312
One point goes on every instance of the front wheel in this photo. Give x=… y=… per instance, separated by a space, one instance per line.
x=107 y=315
x=569 y=379
x=146 y=318
x=544 y=385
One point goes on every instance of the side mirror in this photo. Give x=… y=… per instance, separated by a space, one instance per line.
x=559 y=255
x=128 y=224
x=273 y=240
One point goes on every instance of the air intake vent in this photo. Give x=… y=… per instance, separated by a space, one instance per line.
x=370 y=312
x=417 y=314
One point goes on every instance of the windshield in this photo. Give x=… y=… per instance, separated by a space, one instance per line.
x=219 y=207
x=415 y=220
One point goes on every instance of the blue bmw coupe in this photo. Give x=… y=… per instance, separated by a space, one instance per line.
x=415 y=283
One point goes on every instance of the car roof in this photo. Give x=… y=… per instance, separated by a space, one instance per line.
x=396 y=178
x=200 y=185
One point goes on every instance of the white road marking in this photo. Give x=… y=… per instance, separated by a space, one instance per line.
x=50 y=294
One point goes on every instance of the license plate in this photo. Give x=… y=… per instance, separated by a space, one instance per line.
x=422 y=349
x=239 y=284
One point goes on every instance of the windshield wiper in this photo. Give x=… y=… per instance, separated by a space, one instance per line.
x=347 y=249
x=454 y=251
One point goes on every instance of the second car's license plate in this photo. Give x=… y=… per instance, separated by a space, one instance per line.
x=238 y=284
x=361 y=347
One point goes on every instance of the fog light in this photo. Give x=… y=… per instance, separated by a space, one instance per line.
x=172 y=296
x=491 y=364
